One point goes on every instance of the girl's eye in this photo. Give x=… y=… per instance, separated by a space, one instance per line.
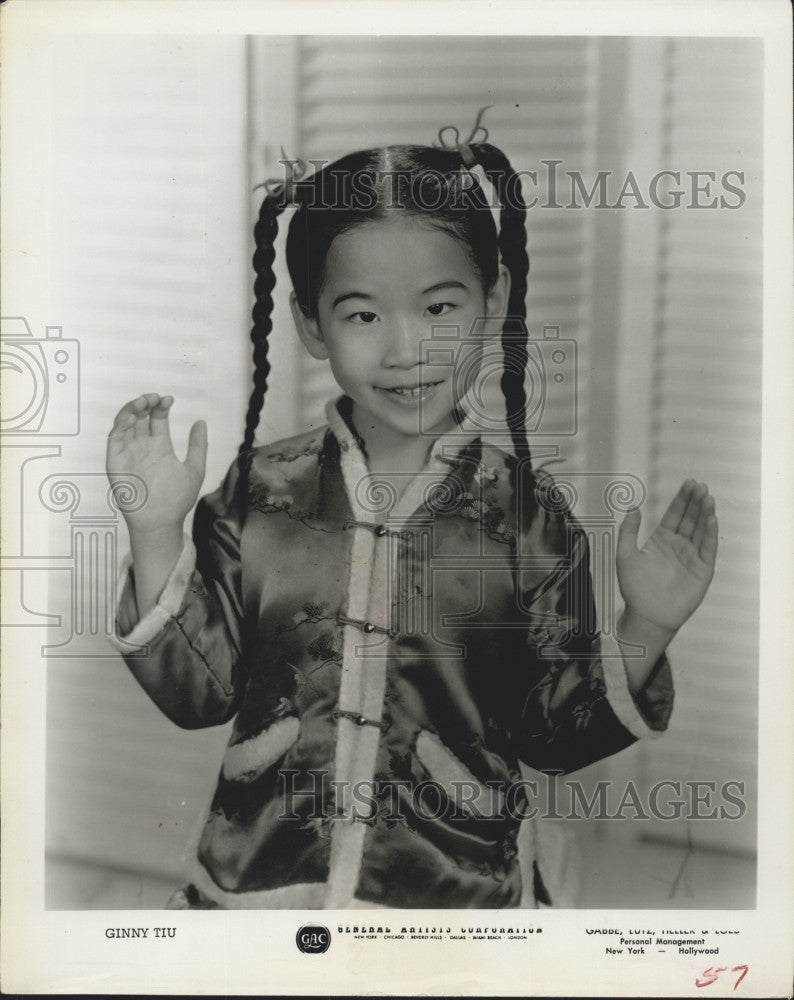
x=364 y=318
x=440 y=308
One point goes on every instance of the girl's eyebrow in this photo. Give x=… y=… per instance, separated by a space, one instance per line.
x=445 y=284
x=350 y=295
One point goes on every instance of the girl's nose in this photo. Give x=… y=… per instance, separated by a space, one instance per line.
x=403 y=345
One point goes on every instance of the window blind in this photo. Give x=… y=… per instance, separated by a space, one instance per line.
x=702 y=419
x=149 y=222
x=706 y=410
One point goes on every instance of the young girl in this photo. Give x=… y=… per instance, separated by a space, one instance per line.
x=395 y=611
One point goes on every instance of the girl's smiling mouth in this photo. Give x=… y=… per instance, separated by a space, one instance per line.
x=409 y=393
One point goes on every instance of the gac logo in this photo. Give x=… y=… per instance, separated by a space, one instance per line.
x=312 y=939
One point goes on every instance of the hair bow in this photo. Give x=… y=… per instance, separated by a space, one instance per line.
x=471 y=162
x=277 y=187
x=463 y=147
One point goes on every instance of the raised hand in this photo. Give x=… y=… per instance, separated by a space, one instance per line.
x=665 y=581
x=140 y=443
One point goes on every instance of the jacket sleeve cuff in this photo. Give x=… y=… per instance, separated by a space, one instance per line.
x=647 y=714
x=134 y=631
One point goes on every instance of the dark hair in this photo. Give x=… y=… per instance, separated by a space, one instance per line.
x=426 y=182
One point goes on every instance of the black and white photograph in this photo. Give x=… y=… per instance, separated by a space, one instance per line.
x=396 y=449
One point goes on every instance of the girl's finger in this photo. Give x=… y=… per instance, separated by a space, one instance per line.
x=627 y=534
x=674 y=513
x=196 y=457
x=141 y=425
x=690 y=518
x=706 y=510
x=143 y=409
x=159 y=417
x=120 y=438
x=115 y=446
x=143 y=403
x=707 y=550
x=122 y=432
x=135 y=407
x=127 y=411
x=121 y=425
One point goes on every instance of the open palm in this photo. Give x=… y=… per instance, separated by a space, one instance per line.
x=140 y=443
x=668 y=577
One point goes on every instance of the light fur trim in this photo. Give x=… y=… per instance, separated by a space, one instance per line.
x=445 y=768
x=526 y=855
x=302 y=896
x=255 y=755
x=363 y=682
x=168 y=603
x=361 y=691
x=436 y=469
x=618 y=693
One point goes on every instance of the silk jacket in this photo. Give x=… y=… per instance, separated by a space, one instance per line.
x=388 y=662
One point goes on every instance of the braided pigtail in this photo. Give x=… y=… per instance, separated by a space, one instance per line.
x=513 y=250
x=265 y=232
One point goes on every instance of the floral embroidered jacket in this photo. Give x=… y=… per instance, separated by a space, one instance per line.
x=388 y=663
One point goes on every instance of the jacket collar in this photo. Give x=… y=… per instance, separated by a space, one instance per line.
x=371 y=499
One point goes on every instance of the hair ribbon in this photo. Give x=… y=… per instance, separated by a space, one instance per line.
x=278 y=187
x=464 y=147
x=449 y=138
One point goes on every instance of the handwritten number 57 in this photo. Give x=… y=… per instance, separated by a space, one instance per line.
x=710 y=975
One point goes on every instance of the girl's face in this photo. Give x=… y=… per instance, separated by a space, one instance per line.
x=387 y=285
